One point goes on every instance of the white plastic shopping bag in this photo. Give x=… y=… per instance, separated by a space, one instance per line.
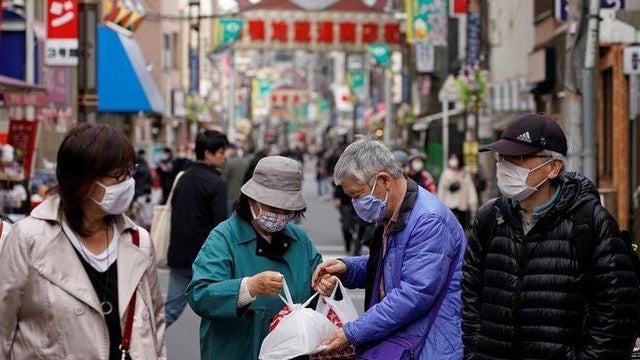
x=339 y=312
x=300 y=332
x=344 y=308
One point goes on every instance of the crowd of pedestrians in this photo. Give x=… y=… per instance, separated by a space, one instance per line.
x=541 y=271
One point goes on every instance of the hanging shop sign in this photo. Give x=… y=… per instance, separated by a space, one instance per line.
x=225 y=32
x=22 y=136
x=61 y=46
x=323 y=31
x=427 y=21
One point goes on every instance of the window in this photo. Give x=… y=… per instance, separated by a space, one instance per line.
x=607 y=124
x=167 y=53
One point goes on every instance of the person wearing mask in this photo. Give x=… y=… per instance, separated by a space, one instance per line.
x=77 y=274
x=199 y=204
x=233 y=173
x=546 y=273
x=240 y=269
x=456 y=190
x=417 y=172
x=143 y=176
x=412 y=275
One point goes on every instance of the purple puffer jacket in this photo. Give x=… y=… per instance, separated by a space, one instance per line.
x=427 y=241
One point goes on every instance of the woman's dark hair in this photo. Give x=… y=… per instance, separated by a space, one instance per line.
x=210 y=140
x=244 y=211
x=88 y=152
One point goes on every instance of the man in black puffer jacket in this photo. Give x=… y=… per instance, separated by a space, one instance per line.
x=527 y=291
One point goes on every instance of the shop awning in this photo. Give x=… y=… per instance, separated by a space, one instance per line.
x=124 y=83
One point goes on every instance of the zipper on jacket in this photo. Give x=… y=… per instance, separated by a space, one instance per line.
x=516 y=306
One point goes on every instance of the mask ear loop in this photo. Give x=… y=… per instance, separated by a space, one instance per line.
x=545 y=179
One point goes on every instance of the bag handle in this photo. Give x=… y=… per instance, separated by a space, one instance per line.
x=333 y=294
x=128 y=328
x=175 y=182
x=288 y=300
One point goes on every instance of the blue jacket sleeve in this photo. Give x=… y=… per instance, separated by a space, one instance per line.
x=356 y=275
x=429 y=252
x=212 y=292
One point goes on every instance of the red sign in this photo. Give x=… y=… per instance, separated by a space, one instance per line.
x=62 y=19
x=61 y=47
x=22 y=136
x=33 y=98
x=458 y=7
x=338 y=33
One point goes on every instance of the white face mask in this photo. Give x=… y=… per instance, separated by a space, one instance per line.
x=512 y=180
x=118 y=197
x=417 y=166
x=454 y=163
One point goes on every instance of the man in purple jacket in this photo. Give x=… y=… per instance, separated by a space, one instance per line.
x=412 y=275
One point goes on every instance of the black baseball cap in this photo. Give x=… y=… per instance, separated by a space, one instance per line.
x=529 y=134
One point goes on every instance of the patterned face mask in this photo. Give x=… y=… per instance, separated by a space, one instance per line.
x=270 y=221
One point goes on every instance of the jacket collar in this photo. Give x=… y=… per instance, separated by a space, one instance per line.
x=407 y=205
x=61 y=265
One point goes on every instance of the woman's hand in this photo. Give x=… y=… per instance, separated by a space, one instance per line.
x=329 y=267
x=265 y=283
x=326 y=285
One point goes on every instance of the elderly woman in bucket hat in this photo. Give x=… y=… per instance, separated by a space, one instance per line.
x=240 y=268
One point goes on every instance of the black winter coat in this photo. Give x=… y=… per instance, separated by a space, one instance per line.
x=526 y=297
x=198 y=205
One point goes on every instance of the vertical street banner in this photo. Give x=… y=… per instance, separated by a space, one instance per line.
x=427 y=21
x=226 y=31
x=194 y=71
x=22 y=136
x=474 y=37
x=61 y=46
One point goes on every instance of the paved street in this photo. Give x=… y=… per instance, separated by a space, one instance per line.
x=323 y=226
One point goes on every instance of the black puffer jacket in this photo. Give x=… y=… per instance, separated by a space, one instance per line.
x=525 y=297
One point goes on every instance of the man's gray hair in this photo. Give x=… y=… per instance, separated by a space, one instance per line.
x=363 y=159
x=557 y=155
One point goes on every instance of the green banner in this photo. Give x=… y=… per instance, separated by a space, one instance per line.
x=356 y=80
x=381 y=54
x=225 y=31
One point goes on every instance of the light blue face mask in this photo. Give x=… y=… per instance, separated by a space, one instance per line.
x=369 y=208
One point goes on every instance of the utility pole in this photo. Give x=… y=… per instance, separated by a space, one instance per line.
x=87 y=64
x=194 y=54
x=588 y=89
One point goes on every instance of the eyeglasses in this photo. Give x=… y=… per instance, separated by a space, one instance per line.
x=518 y=158
x=123 y=175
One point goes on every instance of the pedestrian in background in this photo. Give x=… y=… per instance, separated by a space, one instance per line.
x=143 y=177
x=456 y=190
x=199 y=204
x=239 y=271
x=411 y=277
x=165 y=173
x=546 y=273
x=72 y=270
x=233 y=173
x=417 y=172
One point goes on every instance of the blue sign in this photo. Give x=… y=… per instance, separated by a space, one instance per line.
x=562 y=7
x=474 y=39
x=612 y=4
x=194 y=72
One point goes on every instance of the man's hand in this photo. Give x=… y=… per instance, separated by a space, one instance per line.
x=329 y=267
x=265 y=283
x=335 y=342
x=326 y=285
